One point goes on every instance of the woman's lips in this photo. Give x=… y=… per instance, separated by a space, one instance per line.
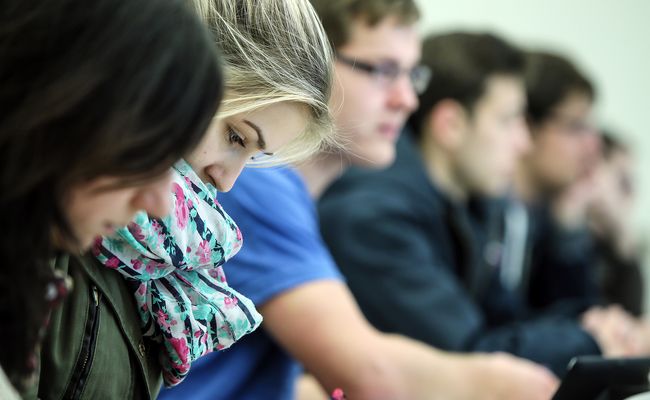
x=389 y=131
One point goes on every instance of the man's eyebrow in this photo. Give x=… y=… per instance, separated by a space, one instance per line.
x=261 y=143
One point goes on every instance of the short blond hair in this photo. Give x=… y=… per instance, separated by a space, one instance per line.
x=274 y=51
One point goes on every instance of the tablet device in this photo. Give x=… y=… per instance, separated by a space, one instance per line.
x=598 y=378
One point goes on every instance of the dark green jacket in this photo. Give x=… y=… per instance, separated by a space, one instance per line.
x=94 y=347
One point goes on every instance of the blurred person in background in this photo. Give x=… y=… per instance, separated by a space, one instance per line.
x=421 y=243
x=619 y=247
x=555 y=180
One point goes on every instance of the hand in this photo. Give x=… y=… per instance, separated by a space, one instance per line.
x=506 y=377
x=643 y=331
x=608 y=210
x=617 y=333
x=308 y=388
x=570 y=207
x=614 y=197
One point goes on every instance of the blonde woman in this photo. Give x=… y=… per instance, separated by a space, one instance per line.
x=277 y=66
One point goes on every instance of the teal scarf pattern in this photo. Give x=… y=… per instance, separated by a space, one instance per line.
x=175 y=266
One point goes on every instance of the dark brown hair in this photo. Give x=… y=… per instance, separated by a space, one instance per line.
x=461 y=63
x=550 y=78
x=87 y=89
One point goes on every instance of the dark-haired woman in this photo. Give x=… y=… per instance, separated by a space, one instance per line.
x=98 y=100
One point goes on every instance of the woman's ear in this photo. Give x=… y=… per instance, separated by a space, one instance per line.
x=447 y=124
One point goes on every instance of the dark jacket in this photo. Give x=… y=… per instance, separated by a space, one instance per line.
x=94 y=347
x=562 y=262
x=426 y=267
x=574 y=265
x=620 y=278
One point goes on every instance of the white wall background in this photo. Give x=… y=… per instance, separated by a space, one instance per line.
x=609 y=39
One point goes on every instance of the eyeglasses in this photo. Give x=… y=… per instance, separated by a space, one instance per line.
x=571 y=124
x=261 y=158
x=386 y=73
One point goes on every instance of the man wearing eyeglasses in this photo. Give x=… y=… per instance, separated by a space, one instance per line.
x=565 y=145
x=309 y=314
x=421 y=243
x=555 y=182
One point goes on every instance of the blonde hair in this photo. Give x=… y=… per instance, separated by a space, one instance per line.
x=274 y=51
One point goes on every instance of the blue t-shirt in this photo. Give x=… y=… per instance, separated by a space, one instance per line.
x=282 y=249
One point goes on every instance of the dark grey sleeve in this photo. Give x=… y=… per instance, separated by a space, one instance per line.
x=404 y=286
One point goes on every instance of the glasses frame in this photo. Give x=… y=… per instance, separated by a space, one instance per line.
x=389 y=71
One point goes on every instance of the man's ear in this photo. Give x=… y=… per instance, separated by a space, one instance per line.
x=447 y=124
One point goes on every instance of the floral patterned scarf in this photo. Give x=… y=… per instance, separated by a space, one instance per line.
x=175 y=266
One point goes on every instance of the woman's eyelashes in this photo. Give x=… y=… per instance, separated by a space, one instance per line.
x=234 y=137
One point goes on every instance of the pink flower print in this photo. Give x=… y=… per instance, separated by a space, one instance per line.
x=169 y=377
x=162 y=319
x=226 y=329
x=97 y=246
x=113 y=262
x=137 y=264
x=218 y=274
x=220 y=347
x=180 y=347
x=136 y=231
x=180 y=210
x=230 y=302
x=238 y=243
x=151 y=266
x=203 y=252
x=183 y=369
x=141 y=289
x=157 y=228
